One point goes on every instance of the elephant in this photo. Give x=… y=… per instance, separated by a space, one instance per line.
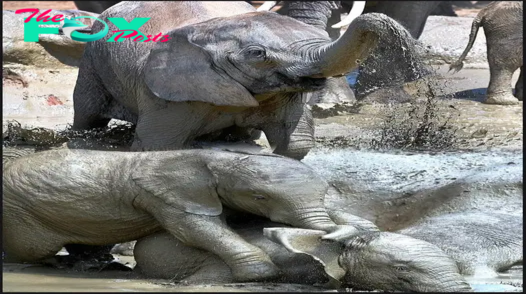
x=502 y=23
x=95 y=6
x=227 y=78
x=89 y=197
x=398 y=57
x=490 y=242
x=387 y=261
x=433 y=255
x=430 y=256
x=411 y=14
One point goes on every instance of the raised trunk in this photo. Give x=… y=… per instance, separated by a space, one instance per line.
x=353 y=47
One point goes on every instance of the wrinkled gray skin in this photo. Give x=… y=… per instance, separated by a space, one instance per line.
x=502 y=23
x=201 y=82
x=397 y=59
x=162 y=256
x=475 y=240
x=59 y=197
x=429 y=256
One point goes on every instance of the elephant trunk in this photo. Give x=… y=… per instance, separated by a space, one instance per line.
x=345 y=54
x=447 y=282
x=319 y=219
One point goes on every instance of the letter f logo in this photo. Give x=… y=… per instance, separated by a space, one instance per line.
x=32 y=29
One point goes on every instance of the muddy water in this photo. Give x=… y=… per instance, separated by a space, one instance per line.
x=487 y=127
x=365 y=170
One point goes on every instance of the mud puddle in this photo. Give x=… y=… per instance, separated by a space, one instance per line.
x=363 y=170
x=37 y=278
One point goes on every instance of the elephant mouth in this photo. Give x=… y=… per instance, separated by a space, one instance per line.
x=289 y=85
x=307 y=84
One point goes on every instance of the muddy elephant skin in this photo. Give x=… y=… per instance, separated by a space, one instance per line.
x=369 y=260
x=503 y=25
x=226 y=78
x=87 y=197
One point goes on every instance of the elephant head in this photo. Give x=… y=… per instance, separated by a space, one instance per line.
x=395 y=262
x=239 y=60
x=281 y=189
x=374 y=260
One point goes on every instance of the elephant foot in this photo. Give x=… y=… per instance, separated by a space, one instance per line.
x=256 y=272
x=506 y=99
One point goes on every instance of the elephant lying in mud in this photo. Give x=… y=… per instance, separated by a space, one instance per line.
x=502 y=23
x=477 y=241
x=430 y=256
x=59 y=197
x=224 y=65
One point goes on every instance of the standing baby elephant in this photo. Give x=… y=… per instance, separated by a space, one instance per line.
x=219 y=65
x=60 y=197
x=502 y=23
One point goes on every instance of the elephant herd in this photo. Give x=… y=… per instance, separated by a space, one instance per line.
x=223 y=216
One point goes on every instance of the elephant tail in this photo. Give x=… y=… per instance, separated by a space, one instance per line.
x=457 y=65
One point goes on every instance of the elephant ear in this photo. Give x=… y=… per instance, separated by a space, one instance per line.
x=180 y=70
x=180 y=184
x=309 y=242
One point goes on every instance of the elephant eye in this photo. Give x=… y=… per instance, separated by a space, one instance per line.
x=259 y=197
x=256 y=52
x=401 y=268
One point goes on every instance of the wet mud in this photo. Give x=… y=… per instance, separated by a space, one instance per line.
x=383 y=155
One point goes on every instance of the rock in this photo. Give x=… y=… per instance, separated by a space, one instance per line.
x=125 y=249
x=446 y=38
x=52 y=51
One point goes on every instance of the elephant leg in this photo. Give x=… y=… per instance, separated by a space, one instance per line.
x=411 y=14
x=518 y=87
x=172 y=127
x=502 y=65
x=89 y=100
x=246 y=261
x=27 y=240
x=294 y=135
x=499 y=89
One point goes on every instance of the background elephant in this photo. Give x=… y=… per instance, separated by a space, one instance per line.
x=502 y=23
x=229 y=78
x=369 y=260
x=95 y=6
x=411 y=14
x=60 y=197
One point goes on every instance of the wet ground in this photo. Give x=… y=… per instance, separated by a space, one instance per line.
x=354 y=148
x=485 y=136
